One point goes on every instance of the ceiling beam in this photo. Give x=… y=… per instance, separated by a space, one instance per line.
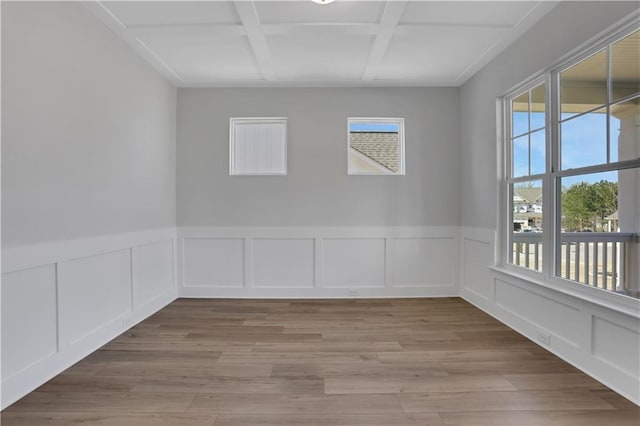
x=100 y=11
x=251 y=22
x=390 y=18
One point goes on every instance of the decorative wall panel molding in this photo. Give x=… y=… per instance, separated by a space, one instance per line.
x=318 y=262
x=61 y=301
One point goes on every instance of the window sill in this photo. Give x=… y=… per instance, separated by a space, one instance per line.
x=604 y=298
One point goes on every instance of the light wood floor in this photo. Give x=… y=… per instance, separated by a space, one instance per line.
x=322 y=363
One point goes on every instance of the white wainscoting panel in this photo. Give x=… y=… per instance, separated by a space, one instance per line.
x=475 y=278
x=152 y=271
x=283 y=262
x=63 y=300
x=287 y=262
x=93 y=291
x=556 y=318
x=29 y=318
x=351 y=262
x=424 y=261
x=601 y=340
x=215 y=262
x=616 y=345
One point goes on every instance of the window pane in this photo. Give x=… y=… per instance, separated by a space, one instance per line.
x=624 y=136
x=375 y=146
x=595 y=209
x=584 y=140
x=583 y=87
x=538 y=152
x=526 y=230
x=537 y=107
x=625 y=66
x=521 y=156
x=520 y=114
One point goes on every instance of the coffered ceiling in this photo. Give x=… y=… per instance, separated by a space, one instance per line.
x=300 y=43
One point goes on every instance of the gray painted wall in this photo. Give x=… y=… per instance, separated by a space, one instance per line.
x=88 y=129
x=317 y=190
x=565 y=28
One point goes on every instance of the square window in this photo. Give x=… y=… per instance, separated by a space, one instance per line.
x=258 y=146
x=375 y=146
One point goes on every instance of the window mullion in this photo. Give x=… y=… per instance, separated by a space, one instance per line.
x=507 y=169
x=550 y=195
x=609 y=100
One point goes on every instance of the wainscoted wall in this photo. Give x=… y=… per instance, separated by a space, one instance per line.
x=318 y=262
x=61 y=301
x=600 y=341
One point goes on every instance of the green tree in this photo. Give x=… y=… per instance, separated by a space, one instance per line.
x=575 y=207
x=584 y=206
x=603 y=200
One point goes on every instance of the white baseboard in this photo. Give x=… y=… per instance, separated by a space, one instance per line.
x=318 y=293
x=61 y=301
x=602 y=342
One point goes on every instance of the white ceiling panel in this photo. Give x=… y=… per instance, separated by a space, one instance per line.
x=457 y=13
x=308 y=12
x=315 y=57
x=197 y=58
x=135 y=13
x=300 y=43
x=426 y=53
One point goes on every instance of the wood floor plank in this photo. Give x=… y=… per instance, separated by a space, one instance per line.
x=364 y=384
x=553 y=381
x=364 y=362
x=106 y=419
x=89 y=383
x=296 y=404
x=465 y=344
x=328 y=347
x=475 y=355
x=374 y=370
x=178 y=346
x=115 y=402
x=502 y=401
x=133 y=369
x=235 y=385
x=538 y=366
x=254 y=337
x=328 y=419
x=152 y=356
x=319 y=358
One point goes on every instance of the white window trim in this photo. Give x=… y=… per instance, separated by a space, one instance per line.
x=547 y=277
x=401 y=147
x=264 y=120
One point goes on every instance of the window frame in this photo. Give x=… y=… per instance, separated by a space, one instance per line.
x=507 y=180
x=401 y=144
x=233 y=121
x=552 y=178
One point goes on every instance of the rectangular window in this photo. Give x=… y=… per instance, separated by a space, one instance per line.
x=375 y=146
x=587 y=163
x=258 y=146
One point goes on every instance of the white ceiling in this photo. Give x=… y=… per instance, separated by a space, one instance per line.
x=300 y=43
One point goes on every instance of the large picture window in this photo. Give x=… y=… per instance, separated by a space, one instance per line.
x=573 y=141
